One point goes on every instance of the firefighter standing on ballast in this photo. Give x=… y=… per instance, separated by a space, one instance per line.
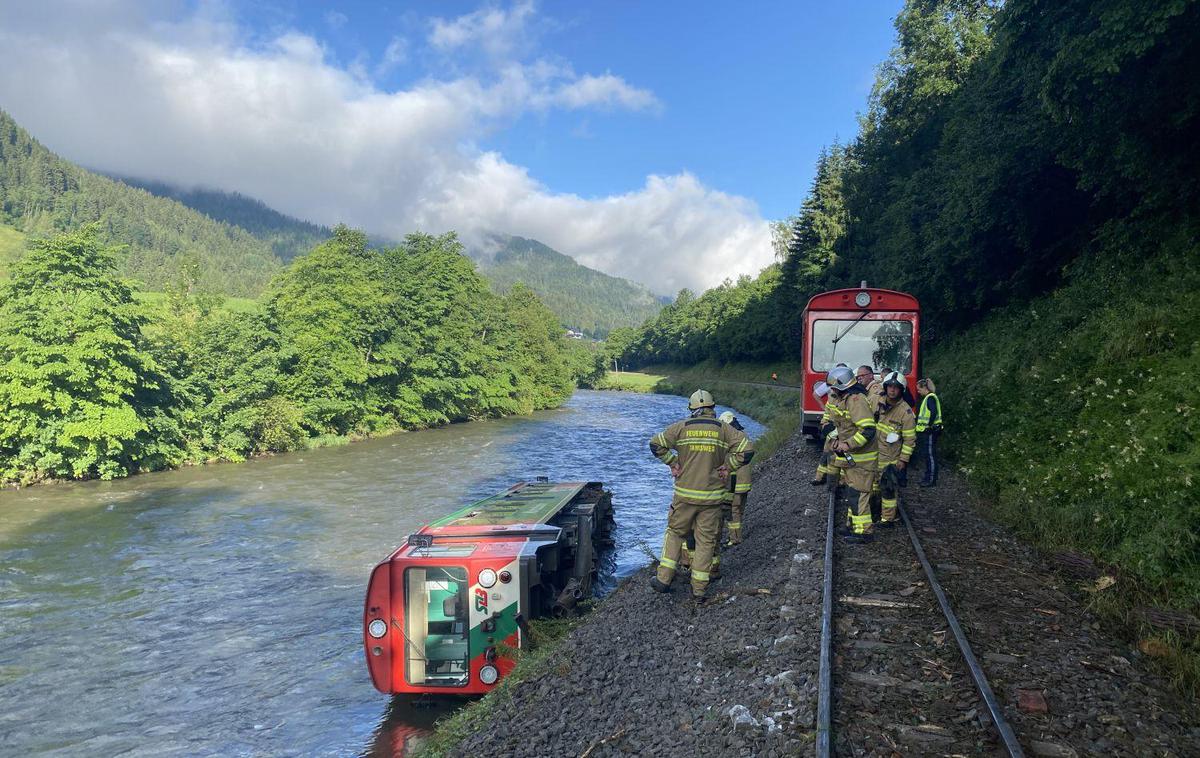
x=896 y=437
x=855 y=451
x=738 y=491
x=702 y=453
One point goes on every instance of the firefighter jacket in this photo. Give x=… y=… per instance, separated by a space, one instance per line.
x=898 y=421
x=854 y=416
x=875 y=391
x=700 y=445
x=930 y=417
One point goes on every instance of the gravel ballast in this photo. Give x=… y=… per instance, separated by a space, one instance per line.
x=650 y=674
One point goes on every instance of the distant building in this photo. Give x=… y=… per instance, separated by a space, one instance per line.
x=574 y=334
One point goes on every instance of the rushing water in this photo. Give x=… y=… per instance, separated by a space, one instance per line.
x=217 y=610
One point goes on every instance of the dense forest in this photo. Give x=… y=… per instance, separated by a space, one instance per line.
x=288 y=237
x=349 y=341
x=585 y=299
x=1029 y=170
x=41 y=194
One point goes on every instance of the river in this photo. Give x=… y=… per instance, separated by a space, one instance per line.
x=217 y=610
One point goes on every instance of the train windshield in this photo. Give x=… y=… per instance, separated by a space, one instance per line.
x=869 y=342
x=435 y=626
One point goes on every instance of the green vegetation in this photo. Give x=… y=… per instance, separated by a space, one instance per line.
x=102 y=381
x=42 y=194
x=584 y=299
x=287 y=237
x=629 y=381
x=12 y=244
x=534 y=661
x=1027 y=170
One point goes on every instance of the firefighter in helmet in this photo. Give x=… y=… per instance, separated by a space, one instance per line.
x=738 y=491
x=702 y=453
x=854 y=453
x=896 y=438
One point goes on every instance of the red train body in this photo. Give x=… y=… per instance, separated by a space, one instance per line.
x=441 y=609
x=863 y=326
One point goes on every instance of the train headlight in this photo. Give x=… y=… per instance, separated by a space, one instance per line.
x=862 y=299
x=487 y=578
x=489 y=674
x=377 y=628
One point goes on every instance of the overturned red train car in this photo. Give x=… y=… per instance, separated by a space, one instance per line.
x=858 y=327
x=441 y=609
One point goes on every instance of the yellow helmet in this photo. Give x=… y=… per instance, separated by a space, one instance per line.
x=701 y=399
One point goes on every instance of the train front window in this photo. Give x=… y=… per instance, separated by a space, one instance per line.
x=868 y=342
x=435 y=626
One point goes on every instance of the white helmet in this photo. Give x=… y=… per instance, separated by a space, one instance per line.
x=841 y=378
x=895 y=377
x=726 y=417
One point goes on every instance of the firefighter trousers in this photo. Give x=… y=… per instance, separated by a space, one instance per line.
x=858 y=510
x=705 y=521
x=733 y=518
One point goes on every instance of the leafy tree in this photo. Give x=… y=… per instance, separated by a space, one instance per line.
x=81 y=396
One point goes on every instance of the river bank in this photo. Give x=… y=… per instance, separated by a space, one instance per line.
x=651 y=674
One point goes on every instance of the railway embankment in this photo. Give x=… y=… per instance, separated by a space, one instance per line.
x=647 y=674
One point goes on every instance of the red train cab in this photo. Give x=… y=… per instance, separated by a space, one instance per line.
x=864 y=326
x=441 y=610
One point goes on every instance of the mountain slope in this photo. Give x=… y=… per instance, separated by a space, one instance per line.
x=41 y=193
x=583 y=298
x=288 y=236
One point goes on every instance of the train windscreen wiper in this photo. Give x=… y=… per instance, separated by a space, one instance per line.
x=838 y=337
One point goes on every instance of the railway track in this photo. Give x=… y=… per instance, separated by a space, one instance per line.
x=897 y=673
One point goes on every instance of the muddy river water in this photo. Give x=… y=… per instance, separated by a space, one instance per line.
x=217 y=610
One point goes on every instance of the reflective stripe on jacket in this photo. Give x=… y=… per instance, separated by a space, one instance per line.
x=895 y=419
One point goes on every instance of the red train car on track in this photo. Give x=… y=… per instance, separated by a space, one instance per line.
x=864 y=326
x=441 y=608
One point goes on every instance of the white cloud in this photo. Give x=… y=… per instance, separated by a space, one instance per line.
x=395 y=55
x=189 y=102
x=336 y=19
x=494 y=30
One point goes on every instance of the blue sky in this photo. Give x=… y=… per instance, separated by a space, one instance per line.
x=749 y=91
x=648 y=140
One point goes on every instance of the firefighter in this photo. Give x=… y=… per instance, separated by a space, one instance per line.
x=738 y=491
x=929 y=429
x=855 y=451
x=896 y=437
x=702 y=453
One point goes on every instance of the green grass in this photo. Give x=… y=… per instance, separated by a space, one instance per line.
x=778 y=409
x=229 y=304
x=12 y=244
x=1076 y=419
x=533 y=661
x=629 y=381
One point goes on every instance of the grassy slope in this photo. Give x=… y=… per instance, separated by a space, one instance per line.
x=1077 y=420
x=12 y=244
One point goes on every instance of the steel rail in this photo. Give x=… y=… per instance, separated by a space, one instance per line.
x=981 y=683
x=825 y=677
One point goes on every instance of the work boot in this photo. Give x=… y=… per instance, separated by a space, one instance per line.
x=658 y=586
x=860 y=539
x=699 y=600
x=817 y=481
x=886 y=525
x=926 y=484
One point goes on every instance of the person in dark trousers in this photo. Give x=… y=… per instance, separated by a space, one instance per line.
x=929 y=429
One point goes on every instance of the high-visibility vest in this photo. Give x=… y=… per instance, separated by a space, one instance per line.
x=924 y=422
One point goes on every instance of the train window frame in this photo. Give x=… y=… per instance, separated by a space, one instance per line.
x=847 y=324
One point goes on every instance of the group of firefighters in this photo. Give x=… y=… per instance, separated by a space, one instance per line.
x=869 y=432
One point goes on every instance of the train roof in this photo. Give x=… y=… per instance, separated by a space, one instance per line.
x=881 y=300
x=526 y=503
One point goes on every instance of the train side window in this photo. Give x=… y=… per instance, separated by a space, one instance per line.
x=869 y=342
